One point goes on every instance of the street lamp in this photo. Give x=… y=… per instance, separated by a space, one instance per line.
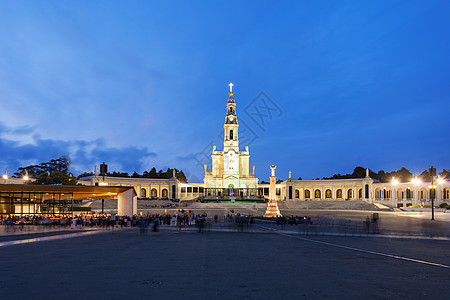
x=432 y=172
x=394 y=181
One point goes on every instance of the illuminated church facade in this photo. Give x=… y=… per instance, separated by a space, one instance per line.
x=230 y=166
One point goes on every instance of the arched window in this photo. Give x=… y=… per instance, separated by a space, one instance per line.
x=328 y=194
x=307 y=194
x=154 y=193
x=143 y=193
x=446 y=194
x=339 y=193
x=360 y=194
x=297 y=194
x=408 y=193
x=165 y=193
x=349 y=194
x=231 y=134
x=317 y=194
x=423 y=194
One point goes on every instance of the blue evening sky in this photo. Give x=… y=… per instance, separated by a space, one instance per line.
x=139 y=84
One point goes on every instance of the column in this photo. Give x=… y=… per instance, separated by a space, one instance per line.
x=322 y=196
x=332 y=193
x=159 y=191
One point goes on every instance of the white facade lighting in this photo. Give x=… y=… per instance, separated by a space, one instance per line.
x=416 y=181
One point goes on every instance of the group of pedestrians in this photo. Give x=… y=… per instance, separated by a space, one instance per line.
x=104 y=221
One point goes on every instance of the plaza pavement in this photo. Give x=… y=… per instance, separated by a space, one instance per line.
x=225 y=265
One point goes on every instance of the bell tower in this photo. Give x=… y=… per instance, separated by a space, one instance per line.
x=230 y=134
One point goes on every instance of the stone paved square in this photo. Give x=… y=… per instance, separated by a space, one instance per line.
x=223 y=265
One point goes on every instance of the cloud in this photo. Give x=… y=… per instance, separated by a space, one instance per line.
x=83 y=154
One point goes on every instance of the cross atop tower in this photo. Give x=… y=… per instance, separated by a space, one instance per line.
x=231 y=87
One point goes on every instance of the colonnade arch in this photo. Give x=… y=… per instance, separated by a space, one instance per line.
x=164 y=193
x=317 y=194
x=154 y=193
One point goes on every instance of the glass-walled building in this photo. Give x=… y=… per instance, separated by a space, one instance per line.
x=36 y=203
x=35 y=200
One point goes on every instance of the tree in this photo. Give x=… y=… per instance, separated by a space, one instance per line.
x=118 y=174
x=56 y=171
x=180 y=176
x=135 y=175
x=153 y=173
x=56 y=177
x=444 y=174
x=61 y=164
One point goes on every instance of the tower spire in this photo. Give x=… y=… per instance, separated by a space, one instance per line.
x=231 y=90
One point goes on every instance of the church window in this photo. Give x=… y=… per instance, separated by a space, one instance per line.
x=165 y=194
x=328 y=194
x=143 y=193
x=297 y=194
x=154 y=193
x=339 y=193
x=231 y=134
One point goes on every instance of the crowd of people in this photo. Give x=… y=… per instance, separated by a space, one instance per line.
x=180 y=219
x=105 y=221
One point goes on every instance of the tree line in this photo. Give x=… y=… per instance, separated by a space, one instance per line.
x=402 y=175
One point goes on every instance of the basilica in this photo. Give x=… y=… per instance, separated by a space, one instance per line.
x=230 y=174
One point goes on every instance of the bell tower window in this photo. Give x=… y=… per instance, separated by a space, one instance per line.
x=231 y=134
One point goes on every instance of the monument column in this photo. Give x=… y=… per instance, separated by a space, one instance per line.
x=272 y=208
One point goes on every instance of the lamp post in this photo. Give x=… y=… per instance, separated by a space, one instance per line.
x=432 y=172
